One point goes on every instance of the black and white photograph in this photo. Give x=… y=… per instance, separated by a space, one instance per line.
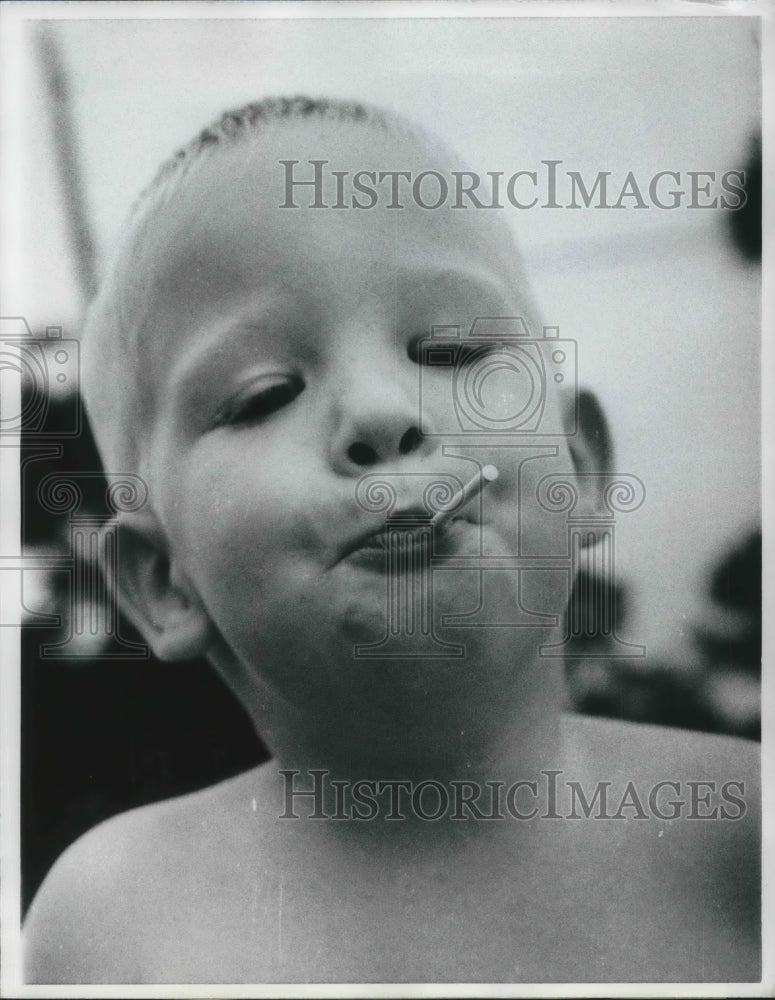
x=382 y=476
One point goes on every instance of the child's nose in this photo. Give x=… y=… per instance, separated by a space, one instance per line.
x=378 y=424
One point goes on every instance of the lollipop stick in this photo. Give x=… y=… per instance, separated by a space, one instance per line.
x=472 y=489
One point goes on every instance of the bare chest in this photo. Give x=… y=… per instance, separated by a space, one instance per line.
x=598 y=913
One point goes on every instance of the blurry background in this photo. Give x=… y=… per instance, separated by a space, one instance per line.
x=664 y=306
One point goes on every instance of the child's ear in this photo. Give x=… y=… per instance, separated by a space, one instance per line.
x=157 y=597
x=591 y=450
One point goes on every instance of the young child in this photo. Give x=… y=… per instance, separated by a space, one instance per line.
x=256 y=363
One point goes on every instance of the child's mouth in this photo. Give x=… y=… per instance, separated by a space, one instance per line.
x=411 y=536
x=402 y=544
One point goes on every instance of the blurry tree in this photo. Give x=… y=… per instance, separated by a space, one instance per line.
x=729 y=639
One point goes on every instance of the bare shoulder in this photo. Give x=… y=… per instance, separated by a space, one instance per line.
x=92 y=916
x=609 y=748
x=682 y=813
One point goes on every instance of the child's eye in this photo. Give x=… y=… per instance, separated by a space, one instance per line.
x=448 y=353
x=259 y=402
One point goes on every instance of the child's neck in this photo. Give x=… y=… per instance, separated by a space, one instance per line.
x=466 y=726
x=416 y=812
x=485 y=719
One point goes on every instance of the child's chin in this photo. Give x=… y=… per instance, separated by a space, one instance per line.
x=467 y=615
x=370 y=611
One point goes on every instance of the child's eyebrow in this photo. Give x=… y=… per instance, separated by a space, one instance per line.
x=478 y=279
x=224 y=341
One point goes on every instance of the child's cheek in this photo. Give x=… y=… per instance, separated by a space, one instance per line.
x=240 y=521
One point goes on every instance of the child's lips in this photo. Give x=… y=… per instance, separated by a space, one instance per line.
x=371 y=548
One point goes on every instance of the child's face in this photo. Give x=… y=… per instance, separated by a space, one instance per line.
x=283 y=354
